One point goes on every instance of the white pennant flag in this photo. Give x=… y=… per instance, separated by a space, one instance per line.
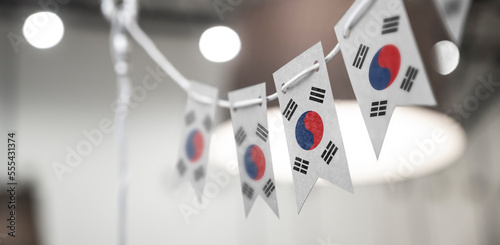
x=311 y=125
x=384 y=64
x=252 y=143
x=454 y=14
x=195 y=143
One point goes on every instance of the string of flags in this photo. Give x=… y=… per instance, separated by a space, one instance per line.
x=385 y=69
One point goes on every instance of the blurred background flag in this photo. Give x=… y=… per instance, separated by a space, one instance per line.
x=195 y=143
x=383 y=63
x=314 y=140
x=253 y=150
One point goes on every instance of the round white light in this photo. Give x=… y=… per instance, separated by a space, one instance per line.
x=418 y=142
x=445 y=57
x=220 y=44
x=43 y=30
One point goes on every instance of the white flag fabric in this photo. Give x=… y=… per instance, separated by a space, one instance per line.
x=454 y=14
x=195 y=143
x=253 y=149
x=384 y=65
x=314 y=140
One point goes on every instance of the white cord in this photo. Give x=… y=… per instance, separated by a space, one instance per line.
x=245 y=103
x=299 y=76
x=333 y=53
x=140 y=37
x=355 y=16
x=109 y=10
x=147 y=44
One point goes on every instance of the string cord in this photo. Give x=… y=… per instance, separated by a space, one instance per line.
x=148 y=45
x=356 y=15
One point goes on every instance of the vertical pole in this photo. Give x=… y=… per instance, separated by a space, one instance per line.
x=119 y=52
x=120 y=16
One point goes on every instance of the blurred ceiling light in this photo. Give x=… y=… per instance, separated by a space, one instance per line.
x=418 y=142
x=43 y=30
x=220 y=44
x=445 y=57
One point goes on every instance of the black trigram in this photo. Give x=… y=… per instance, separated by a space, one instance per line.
x=329 y=152
x=199 y=173
x=360 y=56
x=317 y=94
x=378 y=108
x=247 y=190
x=390 y=25
x=207 y=123
x=262 y=132
x=290 y=109
x=181 y=167
x=269 y=188
x=410 y=76
x=240 y=136
x=301 y=165
x=190 y=117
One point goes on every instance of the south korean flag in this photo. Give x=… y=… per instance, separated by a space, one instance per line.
x=195 y=143
x=252 y=143
x=454 y=14
x=384 y=64
x=311 y=125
